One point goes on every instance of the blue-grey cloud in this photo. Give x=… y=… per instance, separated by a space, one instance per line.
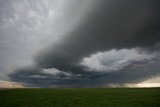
x=131 y=71
x=111 y=25
x=103 y=26
x=31 y=25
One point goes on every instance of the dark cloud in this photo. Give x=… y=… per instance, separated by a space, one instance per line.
x=110 y=24
x=134 y=73
x=34 y=76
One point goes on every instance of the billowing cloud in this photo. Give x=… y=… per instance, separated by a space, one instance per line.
x=110 y=25
x=114 y=68
x=115 y=60
x=28 y=26
x=82 y=43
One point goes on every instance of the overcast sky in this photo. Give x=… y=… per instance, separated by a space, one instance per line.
x=79 y=43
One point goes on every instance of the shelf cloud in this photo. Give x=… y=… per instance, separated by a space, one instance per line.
x=84 y=43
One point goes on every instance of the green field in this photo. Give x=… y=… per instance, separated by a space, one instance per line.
x=85 y=97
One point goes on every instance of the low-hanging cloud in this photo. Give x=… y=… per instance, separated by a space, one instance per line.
x=115 y=60
x=115 y=26
x=112 y=30
x=132 y=69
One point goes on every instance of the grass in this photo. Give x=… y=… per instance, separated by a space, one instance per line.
x=82 y=97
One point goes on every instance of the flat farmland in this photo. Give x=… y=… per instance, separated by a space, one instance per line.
x=80 y=97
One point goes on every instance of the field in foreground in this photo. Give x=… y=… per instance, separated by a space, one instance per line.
x=86 y=97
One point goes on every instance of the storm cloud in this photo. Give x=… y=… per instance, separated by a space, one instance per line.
x=114 y=67
x=111 y=25
x=108 y=42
